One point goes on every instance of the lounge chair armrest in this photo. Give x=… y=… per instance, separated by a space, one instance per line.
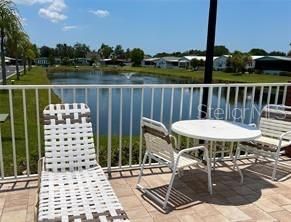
x=40 y=168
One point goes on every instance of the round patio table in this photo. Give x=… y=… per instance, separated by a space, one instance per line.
x=216 y=130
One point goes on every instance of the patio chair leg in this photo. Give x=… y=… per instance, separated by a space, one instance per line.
x=141 y=170
x=235 y=165
x=275 y=169
x=209 y=175
x=169 y=189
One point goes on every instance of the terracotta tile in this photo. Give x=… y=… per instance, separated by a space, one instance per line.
x=14 y=216
x=143 y=219
x=279 y=199
x=215 y=218
x=282 y=216
x=232 y=213
x=189 y=218
x=205 y=209
x=267 y=205
x=138 y=213
x=256 y=213
x=130 y=202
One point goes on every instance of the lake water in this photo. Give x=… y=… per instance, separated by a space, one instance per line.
x=153 y=106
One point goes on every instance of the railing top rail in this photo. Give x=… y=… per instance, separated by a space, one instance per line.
x=7 y=87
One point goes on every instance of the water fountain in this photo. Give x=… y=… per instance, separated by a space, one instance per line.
x=128 y=75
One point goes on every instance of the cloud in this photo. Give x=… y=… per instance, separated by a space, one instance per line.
x=54 y=12
x=100 y=13
x=69 y=27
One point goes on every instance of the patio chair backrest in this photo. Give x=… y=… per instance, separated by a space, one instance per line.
x=275 y=120
x=157 y=139
x=68 y=135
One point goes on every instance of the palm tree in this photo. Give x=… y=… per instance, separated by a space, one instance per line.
x=8 y=18
x=16 y=39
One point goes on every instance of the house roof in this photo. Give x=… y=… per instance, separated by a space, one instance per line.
x=151 y=59
x=203 y=58
x=282 y=58
x=171 y=58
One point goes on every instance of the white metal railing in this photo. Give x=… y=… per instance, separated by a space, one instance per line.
x=116 y=112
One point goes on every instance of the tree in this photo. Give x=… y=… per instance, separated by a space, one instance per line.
x=220 y=50
x=239 y=61
x=14 y=45
x=257 y=51
x=136 y=56
x=119 y=52
x=195 y=63
x=8 y=18
x=105 y=51
x=46 y=51
x=81 y=50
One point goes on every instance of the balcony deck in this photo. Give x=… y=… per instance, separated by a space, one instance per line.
x=258 y=199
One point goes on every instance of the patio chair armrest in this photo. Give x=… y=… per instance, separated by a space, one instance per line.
x=175 y=141
x=203 y=148
x=40 y=167
x=282 y=137
x=253 y=125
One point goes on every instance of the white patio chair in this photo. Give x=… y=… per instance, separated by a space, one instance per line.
x=72 y=186
x=275 y=124
x=160 y=147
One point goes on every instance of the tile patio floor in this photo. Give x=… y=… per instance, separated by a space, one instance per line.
x=258 y=199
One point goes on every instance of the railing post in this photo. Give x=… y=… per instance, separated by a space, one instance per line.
x=288 y=96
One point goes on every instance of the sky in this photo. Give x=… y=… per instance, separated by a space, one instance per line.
x=158 y=25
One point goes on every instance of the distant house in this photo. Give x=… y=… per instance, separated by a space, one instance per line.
x=273 y=64
x=150 y=62
x=42 y=61
x=252 y=63
x=168 y=62
x=185 y=61
x=221 y=63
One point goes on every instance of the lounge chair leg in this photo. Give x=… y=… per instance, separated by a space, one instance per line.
x=141 y=169
x=169 y=189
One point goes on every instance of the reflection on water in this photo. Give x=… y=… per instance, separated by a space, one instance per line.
x=154 y=106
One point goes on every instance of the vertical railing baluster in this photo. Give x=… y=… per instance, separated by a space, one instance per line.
x=209 y=106
x=284 y=95
x=74 y=95
x=38 y=122
x=120 y=128
x=25 y=131
x=86 y=95
x=252 y=105
x=261 y=97
x=140 y=133
x=152 y=103
x=49 y=95
x=235 y=101
x=201 y=91
x=97 y=124
x=162 y=105
x=12 y=132
x=109 y=129
x=277 y=94
x=244 y=104
x=130 y=127
x=227 y=105
x=269 y=94
x=62 y=95
x=171 y=108
x=190 y=110
x=180 y=114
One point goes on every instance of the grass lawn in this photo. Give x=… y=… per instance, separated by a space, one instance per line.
x=196 y=76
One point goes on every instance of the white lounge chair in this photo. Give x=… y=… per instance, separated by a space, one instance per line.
x=72 y=186
x=275 y=124
x=160 y=147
